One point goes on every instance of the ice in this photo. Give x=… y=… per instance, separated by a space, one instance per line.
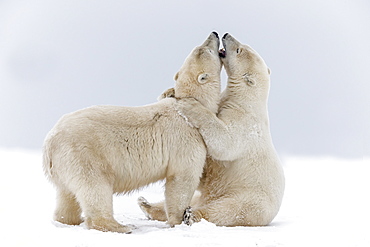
x=325 y=204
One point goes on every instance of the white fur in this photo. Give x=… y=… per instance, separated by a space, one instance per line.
x=95 y=152
x=243 y=180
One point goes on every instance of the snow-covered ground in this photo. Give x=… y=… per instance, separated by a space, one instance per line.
x=326 y=203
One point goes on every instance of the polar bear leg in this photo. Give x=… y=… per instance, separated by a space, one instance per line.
x=220 y=212
x=178 y=194
x=233 y=212
x=97 y=204
x=67 y=211
x=157 y=211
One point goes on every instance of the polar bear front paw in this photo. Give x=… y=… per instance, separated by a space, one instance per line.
x=188 y=217
x=192 y=111
x=169 y=93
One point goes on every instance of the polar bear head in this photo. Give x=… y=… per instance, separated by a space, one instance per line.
x=245 y=68
x=199 y=76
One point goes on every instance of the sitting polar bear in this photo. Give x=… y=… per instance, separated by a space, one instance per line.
x=95 y=152
x=243 y=182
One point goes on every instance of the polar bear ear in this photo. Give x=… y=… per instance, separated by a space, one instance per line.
x=176 y=76
x=250 y=81
x=203 y=78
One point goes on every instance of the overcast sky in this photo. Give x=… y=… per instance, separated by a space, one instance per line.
x=62 y=55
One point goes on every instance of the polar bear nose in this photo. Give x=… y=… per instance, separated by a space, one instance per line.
x=215 y=33
x=225 y=35
x=222 y=53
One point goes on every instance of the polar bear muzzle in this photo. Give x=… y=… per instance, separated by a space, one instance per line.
x=222 y=53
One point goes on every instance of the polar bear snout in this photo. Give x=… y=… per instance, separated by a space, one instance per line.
x=229 y=37
x=229 y=41
x=212 y=42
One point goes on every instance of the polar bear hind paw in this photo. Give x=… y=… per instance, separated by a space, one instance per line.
x=188 y=217
x=144 y=206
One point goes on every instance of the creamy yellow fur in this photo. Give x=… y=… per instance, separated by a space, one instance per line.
x=243 y=180
x=95 y=152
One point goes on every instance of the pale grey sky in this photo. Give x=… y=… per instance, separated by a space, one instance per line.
x=62 y=55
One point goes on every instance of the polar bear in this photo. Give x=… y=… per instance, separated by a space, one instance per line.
x=95 y=152
x=243 y=180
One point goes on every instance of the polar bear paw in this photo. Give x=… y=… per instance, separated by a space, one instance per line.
x=144 y=206
x=169 y=93
x=188 y=217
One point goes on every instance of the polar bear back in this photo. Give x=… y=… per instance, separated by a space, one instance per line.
x=133 y=146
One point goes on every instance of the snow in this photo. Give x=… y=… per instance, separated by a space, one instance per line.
x=325 y=204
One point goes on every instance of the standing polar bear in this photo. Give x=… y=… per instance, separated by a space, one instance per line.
x=243 y=180
x=95 y=152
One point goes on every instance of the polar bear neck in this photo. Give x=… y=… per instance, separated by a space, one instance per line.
x=240 y=94
x=209 y=95
x=212 y=100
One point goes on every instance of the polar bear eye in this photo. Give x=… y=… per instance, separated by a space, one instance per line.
x=238 y=50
